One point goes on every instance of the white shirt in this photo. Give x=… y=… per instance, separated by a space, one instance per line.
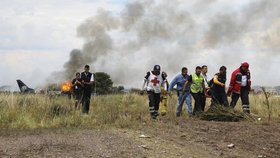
x=92 y=77
x=154 y=82
x=205 y=80
x=244 y=81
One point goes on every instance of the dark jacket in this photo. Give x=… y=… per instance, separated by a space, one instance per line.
x=87 y=78
x=76 y=87
x=217 y=87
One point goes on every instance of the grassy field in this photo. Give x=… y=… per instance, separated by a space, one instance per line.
x=45 y=126
x=125 y=111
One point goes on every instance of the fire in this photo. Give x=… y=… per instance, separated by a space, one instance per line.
x=66 y=86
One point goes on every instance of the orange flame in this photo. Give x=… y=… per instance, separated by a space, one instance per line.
x=66 y=86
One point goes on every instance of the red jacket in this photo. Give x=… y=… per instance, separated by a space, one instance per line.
x=235 y=81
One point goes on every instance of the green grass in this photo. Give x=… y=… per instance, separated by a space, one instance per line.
x=121 y=111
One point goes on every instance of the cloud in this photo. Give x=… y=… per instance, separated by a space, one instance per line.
x=126 y=40
x=36 y=36
x=45 y=25
x=30 y=66
x=268 y=39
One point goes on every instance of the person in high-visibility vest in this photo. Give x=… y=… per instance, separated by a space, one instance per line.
x=196 y=83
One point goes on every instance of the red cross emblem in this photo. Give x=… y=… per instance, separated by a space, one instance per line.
x=155 y=81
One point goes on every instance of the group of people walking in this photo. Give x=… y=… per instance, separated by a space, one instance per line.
x=82 y=88
x=199 y=87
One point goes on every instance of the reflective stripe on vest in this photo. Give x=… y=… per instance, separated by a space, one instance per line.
x=196 y=85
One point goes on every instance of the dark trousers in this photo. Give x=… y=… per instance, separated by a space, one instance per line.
x=219 y=98
x=203 y=102
x=77 y=96
x=244 y=94
x=86 y=101
x=154 y=100
x=198 y=102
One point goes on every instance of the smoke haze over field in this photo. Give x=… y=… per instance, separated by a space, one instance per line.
x=127 y=40
x=178 y=33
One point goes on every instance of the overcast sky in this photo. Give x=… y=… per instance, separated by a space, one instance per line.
x=37 y=36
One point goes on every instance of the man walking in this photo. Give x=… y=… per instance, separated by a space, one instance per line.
x=197 y=88
x=218 y=91
x=179 y=81
x=77 y=89
x=240 y=85
x=204 y=70
x=152 y=83
x=87 y=80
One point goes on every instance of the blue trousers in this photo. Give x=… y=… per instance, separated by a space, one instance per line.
x=181 y=99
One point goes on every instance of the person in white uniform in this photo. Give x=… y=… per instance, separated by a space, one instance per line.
x=152 y=84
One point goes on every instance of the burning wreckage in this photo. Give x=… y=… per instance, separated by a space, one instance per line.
x=52 y=89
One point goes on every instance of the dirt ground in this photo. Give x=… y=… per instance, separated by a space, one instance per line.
x=188 y=138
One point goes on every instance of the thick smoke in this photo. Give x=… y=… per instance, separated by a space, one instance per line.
x=175 y=34
x=76 y=61
x=97 y=43
x=227 y=28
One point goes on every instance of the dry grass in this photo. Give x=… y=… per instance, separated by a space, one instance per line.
x=258 y=107
x=122 y=111
x=41 y=111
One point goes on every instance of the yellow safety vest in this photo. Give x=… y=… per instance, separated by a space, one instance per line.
x=196 y=85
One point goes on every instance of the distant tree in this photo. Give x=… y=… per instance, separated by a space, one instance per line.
x=103 y=83
x=120 y=88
